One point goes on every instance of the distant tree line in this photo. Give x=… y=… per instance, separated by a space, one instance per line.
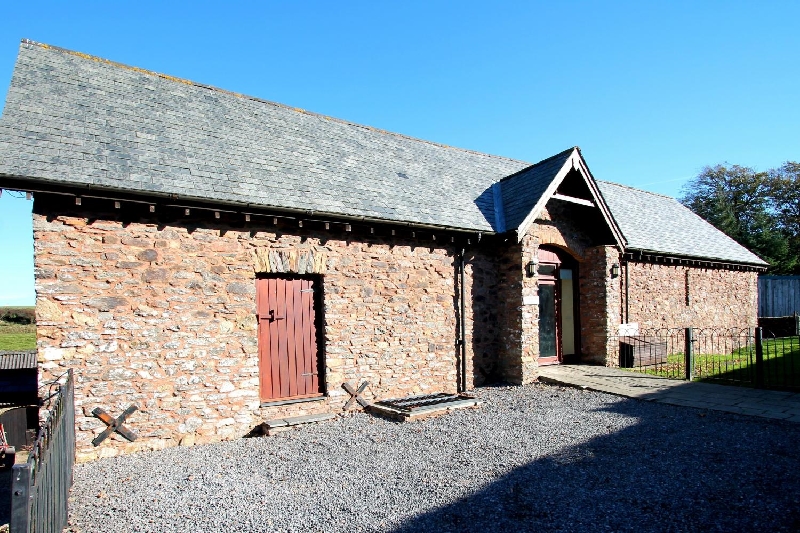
x=18 y=315
x=759 y=210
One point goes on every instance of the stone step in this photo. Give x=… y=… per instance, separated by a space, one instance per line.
x=271 y=427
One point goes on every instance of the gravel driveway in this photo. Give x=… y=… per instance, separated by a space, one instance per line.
x=534 y=458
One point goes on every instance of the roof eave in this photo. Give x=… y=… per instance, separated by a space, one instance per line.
x=40 y=185
x=643 y=252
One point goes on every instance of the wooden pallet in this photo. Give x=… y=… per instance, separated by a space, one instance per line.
x=459 y=402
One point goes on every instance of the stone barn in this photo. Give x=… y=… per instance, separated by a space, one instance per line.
x=220 y=260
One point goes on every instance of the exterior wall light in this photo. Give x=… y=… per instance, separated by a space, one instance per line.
x=530 y=269
x=615 y=270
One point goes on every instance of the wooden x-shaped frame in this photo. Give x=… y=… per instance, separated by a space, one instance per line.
x=114 y=424
x=355 y=395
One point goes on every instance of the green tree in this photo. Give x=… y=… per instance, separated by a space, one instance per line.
x=741 y=202
x=785 y=193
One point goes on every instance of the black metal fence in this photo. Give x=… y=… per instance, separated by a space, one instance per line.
x=749 y=357
x=40 y=487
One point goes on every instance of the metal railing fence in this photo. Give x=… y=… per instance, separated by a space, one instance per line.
x=748 y=357
x=40 y=487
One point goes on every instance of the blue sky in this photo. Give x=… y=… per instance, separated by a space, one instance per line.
x=650 y=91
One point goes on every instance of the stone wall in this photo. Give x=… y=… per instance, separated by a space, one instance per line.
x=557 y=226
x=486 y=318
x=667 y=296
x=599 y=305
x=163 y=315
x=529 y=313
x=510 y=353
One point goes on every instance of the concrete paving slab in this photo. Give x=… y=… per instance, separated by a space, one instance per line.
x=728 y=398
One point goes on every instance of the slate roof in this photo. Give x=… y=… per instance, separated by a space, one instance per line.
x=78 y=120
x=654 y=223
x=523 y=190
x=81 y=120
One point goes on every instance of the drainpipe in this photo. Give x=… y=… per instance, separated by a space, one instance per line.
x=627 y=317
x=462 y=328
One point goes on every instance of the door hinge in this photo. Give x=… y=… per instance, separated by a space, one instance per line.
x=306 y=290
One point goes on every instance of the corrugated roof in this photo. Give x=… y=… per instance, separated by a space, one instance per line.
x=17 y=360
x=660 y=224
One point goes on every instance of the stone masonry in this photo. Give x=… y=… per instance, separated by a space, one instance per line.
x=163 y=316
x=667 y=296
x=600 y=305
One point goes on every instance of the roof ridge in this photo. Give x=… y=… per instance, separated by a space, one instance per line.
x=639 y=190
x=256 y=99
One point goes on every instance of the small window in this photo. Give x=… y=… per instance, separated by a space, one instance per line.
x=547 y=270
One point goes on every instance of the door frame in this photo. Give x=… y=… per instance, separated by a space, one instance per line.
x=550 y=256
x=317 y=308
x=557 y=358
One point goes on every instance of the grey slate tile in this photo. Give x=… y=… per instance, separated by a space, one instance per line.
x=656 y=223
x=75 y=119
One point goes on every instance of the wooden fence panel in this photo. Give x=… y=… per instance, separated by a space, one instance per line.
x=40 y=487
x=778 y=295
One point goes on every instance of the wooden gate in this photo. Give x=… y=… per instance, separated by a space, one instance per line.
x=287 y=339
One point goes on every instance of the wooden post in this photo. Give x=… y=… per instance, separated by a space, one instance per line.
x=20 y=498
x=759 y=359
x=688 y=354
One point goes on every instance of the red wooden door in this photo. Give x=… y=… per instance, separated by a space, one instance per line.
x=287 y=339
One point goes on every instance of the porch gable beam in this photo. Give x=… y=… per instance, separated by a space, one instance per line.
x=573 y=200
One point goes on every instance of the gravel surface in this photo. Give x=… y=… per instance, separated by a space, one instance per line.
x=534 y=458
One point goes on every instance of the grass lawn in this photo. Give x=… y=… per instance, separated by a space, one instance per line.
x=17 y=341
x=782 y=362
x=17 y=336
x=781 y=365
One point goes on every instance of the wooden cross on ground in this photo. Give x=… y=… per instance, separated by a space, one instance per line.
x=355 y=395
x=114 y=424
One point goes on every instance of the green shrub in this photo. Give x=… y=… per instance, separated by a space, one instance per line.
x=18 y=315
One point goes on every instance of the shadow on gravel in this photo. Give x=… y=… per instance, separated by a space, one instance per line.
x=644 y=479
